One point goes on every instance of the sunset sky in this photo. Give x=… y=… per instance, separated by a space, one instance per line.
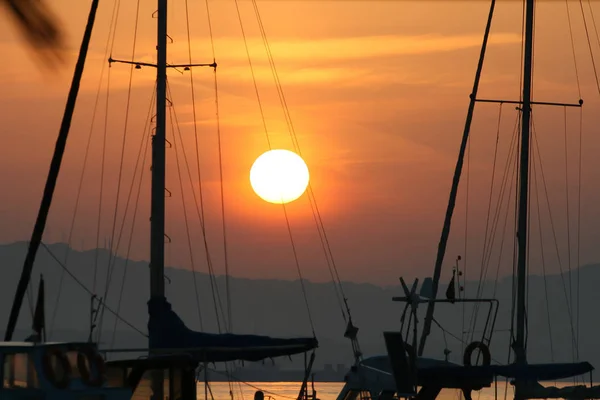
x=378 y=93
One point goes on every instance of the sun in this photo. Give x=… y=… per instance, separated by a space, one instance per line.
x=279 y=176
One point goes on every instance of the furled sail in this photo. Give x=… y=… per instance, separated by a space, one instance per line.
x=167 y=331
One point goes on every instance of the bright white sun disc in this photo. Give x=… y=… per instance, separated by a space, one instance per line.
x=279 y=176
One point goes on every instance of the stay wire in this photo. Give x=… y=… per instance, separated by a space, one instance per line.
x=113 y=249
x=90 y=292
x=578 y=251
x=214 y=288
x=82 y=175
x=143 y=155
x=543 y=259
x=509 y=173
x=270 y=148
x=594 y=21
x=569 y=264
x=185 y=216
x=197 y=147
x=312 y=200
x=589 y=42
x=573 y=48
x=485 y=238
x=221 y=175
x=564 y=285
x=101 y=189
x=311 y=196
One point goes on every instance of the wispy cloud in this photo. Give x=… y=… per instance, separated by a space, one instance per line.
x=352 y=48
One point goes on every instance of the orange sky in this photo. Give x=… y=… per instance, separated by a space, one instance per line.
x=377 y=91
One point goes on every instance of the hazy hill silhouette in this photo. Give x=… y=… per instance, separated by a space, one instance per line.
x=275 y=307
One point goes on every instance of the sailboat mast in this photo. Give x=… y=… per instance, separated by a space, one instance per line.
x=519 y=345
x=455 y=184
x=157 y=212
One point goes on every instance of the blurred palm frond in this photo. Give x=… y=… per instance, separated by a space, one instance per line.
x=40 y=28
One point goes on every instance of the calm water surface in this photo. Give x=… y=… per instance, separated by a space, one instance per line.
x=325 y=391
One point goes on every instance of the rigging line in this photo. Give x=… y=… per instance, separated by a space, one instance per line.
x=80 y=283
x=312 y=199
x=510 y=172
x=573 y=48
x=122 y=158
x=287 y=115
x=224 y=225
x=539 y=221
x=269 y=145
x=101 y=193
x=114 y=35
x=185 y=218
x=485 y=239
x=229 y=320
x=113 y=249
x=302 y=285
x=569 y=264
x=116 y=10
x=590 y=46
x=200 y=186
x=578 y=253
x=143 y=154
x=197 y=147
x=85 y=160
x=214 y=288
x=594 y=21
x=210 y=30
x=496 y=220
x=252 y=73
x=131 y=188
x=569 y=311
x=466 y=236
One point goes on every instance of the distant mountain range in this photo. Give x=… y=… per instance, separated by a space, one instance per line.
x=276 y=308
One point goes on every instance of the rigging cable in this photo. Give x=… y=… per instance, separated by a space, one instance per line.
x=222 y=185
x=264 y=123
x=185 y=213
x=341 y=297
x=573 y=47
x=465 y=249
x=214 y=288
x=543 y=259
x=509 y=172
x=351 y=331
x=590 y=46
x=578 y=253
x=483 y=270
x=81 y=178
x=568 y=216
x=143 y=155
x=80 y=283
x=113 y=249
x=197 y=148
x=103 y=157
x=564 y=285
